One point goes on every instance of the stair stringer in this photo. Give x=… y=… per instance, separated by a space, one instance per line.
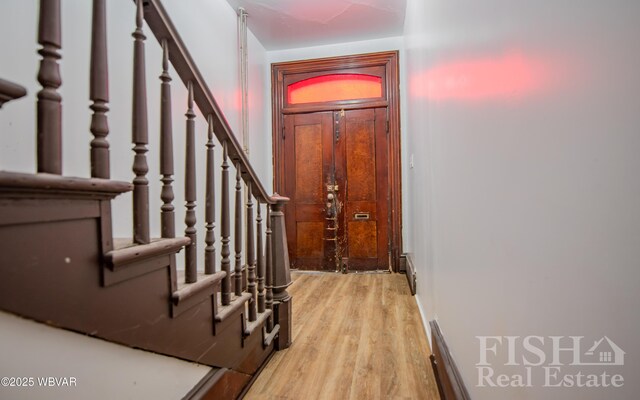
x=53 y=245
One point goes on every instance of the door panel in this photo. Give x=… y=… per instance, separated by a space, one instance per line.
x=362 y=239
x=336 y=177
x=308 y=163
x=309 y=239
x=308 y=169
x=360 y=153
x=363 y=155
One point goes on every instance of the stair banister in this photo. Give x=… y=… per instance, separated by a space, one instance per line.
x=162 y=27
x=201 y=321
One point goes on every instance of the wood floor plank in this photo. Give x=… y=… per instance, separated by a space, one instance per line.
x=355 y=336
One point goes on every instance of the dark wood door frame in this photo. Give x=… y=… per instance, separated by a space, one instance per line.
x=384 y=64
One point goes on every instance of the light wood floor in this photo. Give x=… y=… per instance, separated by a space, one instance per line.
x=354 y=337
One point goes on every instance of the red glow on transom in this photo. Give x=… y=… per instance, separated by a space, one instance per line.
x=334 y=87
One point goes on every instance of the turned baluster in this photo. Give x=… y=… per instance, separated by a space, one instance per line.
x=99 y=92
x=140 y=135
x=190 y=191
x=167 y=217
x=49 y=125
x=251 y=260
x=210 y=250
x=225 y=229
x=238 y=234
x=260 y=262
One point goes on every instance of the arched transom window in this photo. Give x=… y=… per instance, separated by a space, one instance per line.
x=335 y=87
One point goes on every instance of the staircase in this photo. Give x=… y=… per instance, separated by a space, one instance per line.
x=61 y=264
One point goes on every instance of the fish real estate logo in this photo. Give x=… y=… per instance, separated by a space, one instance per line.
x=551 y=361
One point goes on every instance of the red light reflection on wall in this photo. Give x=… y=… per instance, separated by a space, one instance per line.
x=513 y=75
x=334 y=87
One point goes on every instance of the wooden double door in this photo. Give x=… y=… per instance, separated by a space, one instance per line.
x=336 y=176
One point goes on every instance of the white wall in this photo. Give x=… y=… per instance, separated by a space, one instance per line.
x=209 y=29
x=524 y=126
x=334 y=50
x=101 y=370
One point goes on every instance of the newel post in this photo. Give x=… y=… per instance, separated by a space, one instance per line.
x=281 y=272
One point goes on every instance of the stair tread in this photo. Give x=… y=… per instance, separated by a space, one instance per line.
x=260 y=319
x=235 y=303
x=204 y=286
x=203 y=279
x=124 y=243
x=59 y=185
x=125 y=251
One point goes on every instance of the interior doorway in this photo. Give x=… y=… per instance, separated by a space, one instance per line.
x=337 y=157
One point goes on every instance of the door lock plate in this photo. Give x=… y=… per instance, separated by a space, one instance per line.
x=332 y=188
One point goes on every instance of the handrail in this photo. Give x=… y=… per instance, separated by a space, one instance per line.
x=10 y=91
x=163 y=29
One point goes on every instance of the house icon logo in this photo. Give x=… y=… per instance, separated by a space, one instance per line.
x=604 y=352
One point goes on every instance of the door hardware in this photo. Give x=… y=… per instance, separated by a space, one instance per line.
x=332 y=188
x=361 y=216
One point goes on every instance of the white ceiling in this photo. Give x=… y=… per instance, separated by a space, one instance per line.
x=285 y=24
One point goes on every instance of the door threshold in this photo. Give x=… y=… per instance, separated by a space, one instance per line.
x=307 y=272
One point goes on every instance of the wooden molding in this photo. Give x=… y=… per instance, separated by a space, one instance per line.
x=219 y=383
x=450 y=383
x=206 y=384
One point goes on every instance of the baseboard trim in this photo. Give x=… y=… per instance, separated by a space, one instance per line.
x=448 y=378
x=423 y=319
x=410 y=271
x=402 y=264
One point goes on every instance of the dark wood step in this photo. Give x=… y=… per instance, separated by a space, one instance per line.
x=128 y=260
x=188 y=295
x=223 y=312
x=126 y=252
x=50 y=186
x=259 y=322
x=205 y=283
